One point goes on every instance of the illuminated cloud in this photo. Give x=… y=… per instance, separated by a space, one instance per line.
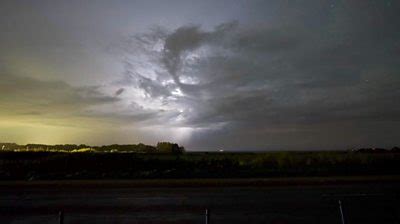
x=219 y=74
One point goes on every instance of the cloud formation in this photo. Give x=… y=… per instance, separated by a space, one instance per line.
x=249 y=75
x=271 y=79
x=24 y=95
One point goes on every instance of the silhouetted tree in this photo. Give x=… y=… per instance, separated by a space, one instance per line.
x=168 y=147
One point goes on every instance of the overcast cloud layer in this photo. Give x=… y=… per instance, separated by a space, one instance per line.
x=258 y=75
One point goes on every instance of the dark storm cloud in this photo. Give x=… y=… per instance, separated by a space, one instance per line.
x=119 y=91
x=235 y=74
x=28 y=96
x=265 y=78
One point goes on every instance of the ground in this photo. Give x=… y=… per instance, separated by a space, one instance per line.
x=287 y=201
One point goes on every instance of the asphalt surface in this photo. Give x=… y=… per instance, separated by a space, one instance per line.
x=361 y=203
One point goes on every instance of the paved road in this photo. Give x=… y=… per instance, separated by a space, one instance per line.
x=362 y=203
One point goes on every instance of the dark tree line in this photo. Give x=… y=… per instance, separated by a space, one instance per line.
x=43 y=165
x=161 y=147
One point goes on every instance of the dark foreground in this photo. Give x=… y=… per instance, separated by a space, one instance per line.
x=128 y=166
x=85 y=202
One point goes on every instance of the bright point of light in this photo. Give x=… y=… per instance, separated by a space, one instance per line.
x=177 y=92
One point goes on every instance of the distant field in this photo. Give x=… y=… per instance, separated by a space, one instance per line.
x=58 y=166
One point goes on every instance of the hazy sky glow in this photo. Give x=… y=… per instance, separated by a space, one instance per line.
x=236 y=75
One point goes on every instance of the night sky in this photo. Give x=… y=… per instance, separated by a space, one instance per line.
x=210 y=75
